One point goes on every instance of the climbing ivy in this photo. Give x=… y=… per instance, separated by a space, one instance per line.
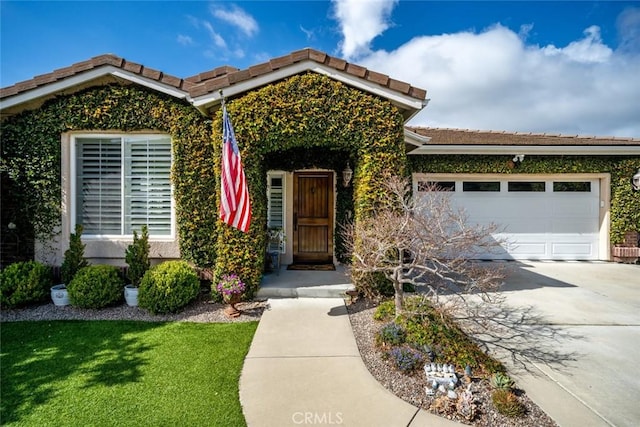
x=625 y=203
x=314 y=114
x=31 y=156
x=304 y=114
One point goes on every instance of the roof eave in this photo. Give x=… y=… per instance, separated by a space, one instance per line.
x=552 y=150
x=416 y=139
x=408 y=105
x=51 y=89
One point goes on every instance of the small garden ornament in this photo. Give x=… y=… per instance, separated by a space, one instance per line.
x=231 y=288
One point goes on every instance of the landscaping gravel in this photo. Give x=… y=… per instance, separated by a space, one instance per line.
x=200 y=311
x=411 y=388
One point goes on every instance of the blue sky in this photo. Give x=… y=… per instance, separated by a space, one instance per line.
x=560 y=67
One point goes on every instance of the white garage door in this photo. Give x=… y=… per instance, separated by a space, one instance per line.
x=539 y=219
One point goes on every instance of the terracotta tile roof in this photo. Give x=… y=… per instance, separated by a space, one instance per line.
x=444 y=136
x=91 y=64
x=212 y=74
x=211 y=81
x=216 y=79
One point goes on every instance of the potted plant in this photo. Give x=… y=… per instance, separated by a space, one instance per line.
x=231 y=288
x=73 y=262
x=137 y=258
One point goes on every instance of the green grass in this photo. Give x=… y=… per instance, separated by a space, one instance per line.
x=110 y=373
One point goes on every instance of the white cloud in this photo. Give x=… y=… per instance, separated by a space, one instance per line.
x=184 y=40
x=195 y=22
x=360 y=22
x=217 y=38
x=236 y=17
x=525 y=30
x=628 y=26
x=309 y=33
x=589 y=49
x=494 y=80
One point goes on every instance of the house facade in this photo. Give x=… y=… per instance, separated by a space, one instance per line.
x=113 y=145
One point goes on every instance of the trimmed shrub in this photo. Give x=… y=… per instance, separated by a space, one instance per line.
x=137 y=256
x=96 y=286
x=74 y=259
x=507 y=403
x=24 y=282
x=168 y=287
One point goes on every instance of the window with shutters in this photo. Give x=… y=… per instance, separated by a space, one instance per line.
x=122 y=183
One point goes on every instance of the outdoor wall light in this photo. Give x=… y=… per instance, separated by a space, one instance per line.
x=347 y=174
x=515 y=162
x=518 y=158
x=635 y=181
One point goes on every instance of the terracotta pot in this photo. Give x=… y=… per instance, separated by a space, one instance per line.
x=231 y=310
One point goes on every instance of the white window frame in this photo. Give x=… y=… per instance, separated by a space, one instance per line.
x=73 y=184
x=282 y=175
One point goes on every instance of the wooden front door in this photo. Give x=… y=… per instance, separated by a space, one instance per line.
x=313 y=217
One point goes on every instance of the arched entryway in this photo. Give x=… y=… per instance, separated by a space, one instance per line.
x=308 y=121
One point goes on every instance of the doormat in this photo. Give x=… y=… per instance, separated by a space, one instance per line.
x=312 y=267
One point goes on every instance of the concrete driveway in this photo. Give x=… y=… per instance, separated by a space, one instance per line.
x=575 y=346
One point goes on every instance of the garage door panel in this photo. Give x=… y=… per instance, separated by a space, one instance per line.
x=515 y=208
x=571 y=250
x=528 y=250
x=577 y=226
x=476 y=205
x=504 y=205
x=572 y=207
x=518 y=226
x=562 y=224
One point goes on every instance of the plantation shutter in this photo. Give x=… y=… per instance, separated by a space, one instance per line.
x=98 y=190
x=276 y=201
x=147 y=184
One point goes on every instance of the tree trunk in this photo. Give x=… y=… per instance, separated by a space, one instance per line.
x=399 y=297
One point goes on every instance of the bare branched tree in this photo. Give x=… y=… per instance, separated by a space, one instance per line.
x=424 y=241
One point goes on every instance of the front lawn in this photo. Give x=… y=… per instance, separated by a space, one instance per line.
x=107 y=373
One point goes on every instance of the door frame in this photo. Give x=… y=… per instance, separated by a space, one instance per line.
x=330 y=210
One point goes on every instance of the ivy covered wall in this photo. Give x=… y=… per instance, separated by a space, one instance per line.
x=625 y=203
x=282 y=126
x=305 y=121
x=31 y=153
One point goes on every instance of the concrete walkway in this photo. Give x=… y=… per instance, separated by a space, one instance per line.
x=304 y=368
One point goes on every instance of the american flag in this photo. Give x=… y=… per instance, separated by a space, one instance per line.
x=235 y=208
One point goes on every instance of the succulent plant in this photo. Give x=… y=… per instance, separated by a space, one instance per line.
x=466 y=405
x=501 y=381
